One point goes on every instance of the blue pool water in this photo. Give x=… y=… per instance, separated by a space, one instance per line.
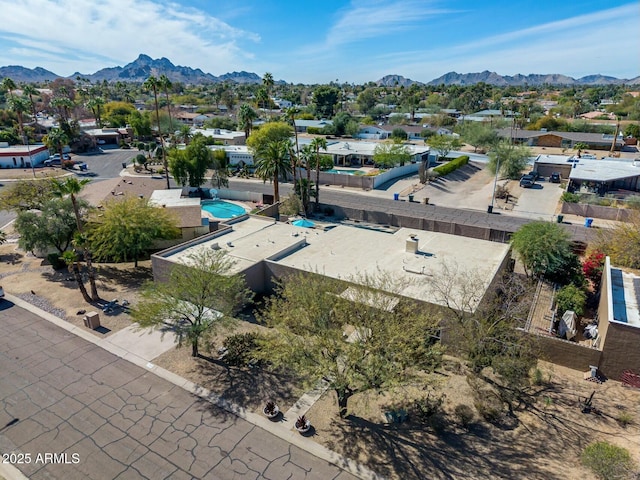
x=344 y=171
x=222 y=209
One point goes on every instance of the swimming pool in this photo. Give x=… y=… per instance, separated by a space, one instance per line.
x=222 y=209
x=344 y=171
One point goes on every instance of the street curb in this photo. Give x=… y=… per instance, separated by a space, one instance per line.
x=279 y=430
x=9 y=472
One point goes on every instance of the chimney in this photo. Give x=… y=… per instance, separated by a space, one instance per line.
x=412 y=244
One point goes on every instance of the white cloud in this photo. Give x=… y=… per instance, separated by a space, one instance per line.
x=376 y=18
x=88 y=36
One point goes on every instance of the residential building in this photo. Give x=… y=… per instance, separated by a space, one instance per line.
x=226 y=137
x=543 y=138
x=22 y=156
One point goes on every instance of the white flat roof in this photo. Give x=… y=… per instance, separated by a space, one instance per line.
x=171 y=198
x=625 y=290
x=344 y=252
x=366 y=148
x=604 y=171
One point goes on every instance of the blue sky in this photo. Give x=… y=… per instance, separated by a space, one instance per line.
x=305 y=41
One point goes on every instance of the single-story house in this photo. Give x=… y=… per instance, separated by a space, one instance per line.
x=604 y=176
x=236 y=154
x=349 y=154
x=543 y=138
x=109 y=136
x=22 y=156
x=191 y=118
x=227 y=137
x=264 y=250
x=303 y=125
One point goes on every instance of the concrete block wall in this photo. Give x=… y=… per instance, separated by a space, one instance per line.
x=597 y=211
x=620 y=351
x=568 y=354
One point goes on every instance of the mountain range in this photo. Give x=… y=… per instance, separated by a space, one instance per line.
x=144 y=66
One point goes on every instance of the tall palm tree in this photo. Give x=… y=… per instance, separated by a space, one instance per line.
x=166 y=84
x=56 y=139
x=316 y=144
x=19 y=105
x=290 y=115
x=152 y=84
x=273 y=163
x=246 y=116
x=71 y=186
x=306 y=155
x=8 y=85
x=95 y=105
x=29 y=90
x=185 y=134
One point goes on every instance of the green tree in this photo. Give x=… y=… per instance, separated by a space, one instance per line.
x=153 y=84
x=54 y=225
x=510 y=160
x=269 y=132
x=220 y=167
x=290 y=116
x=303 y=187
x=125 y=230
x=325 y=99
x=20 y=106
x=444 y=144
x=166 y=85
x=369 y=341
x=25 y=195
x=571 y=297
x=479 y=135
x=390 y=154
x=96 y=104
x=399 y=133
x=189 y=166
x=316 y=144
x=71 y=187
x=366 y=100
x=195 y=299
x=632 y=130
x=608 y=461
x=56 y=139
x=273 y=163
x=543 y=247
x=246 y=116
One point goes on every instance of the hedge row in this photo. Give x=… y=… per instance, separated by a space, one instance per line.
x=454 y=164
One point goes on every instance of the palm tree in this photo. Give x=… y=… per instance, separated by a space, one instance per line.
x=72 y=186
x=185 y=134
x=20 y=106
x=94 y=104
x=273 y=163
x=290 y=116
x=8 y=85
x=267 y=82
x=166 y=84
x=29 y=90
x=316 y=144
x=152 y=84
x=56 y=139
x=306 y=155
x=246 y=116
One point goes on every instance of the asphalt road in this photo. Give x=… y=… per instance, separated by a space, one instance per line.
x=60 y=394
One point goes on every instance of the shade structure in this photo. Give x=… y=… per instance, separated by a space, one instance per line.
x=303 y=222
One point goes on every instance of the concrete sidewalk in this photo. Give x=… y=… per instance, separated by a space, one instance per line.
x=137 y=347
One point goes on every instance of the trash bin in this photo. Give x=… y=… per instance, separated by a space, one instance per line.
x=396 y=196
x=124 y=164
x=588 y=222
x=426 y=200
x=411 y=198
x=92 y=320
x=560 y=218
x=490 y=209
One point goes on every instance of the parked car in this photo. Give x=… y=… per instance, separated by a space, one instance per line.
x=52 y=161
x=1 y=292
x=527 y=181
x=555 y=177
x=534 y=174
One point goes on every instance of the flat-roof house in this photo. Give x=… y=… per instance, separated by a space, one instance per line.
x=603 y=176
x=226 y=137
x=22 y=156
x=265 y=250
x=542 y=138
x=302 y=126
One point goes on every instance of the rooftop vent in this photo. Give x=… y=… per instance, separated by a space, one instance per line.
x=412 y=244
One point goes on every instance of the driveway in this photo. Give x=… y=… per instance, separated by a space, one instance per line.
x=538 y=202
x=61 y=394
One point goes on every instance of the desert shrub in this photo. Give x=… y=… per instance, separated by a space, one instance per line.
x=624 y=418
x=428 y=406
x=449 y=167
x=633 y=202
x=489 y=408
x=240 y=348
x=537 y=377
x=56 y=262
x=291 y=205
x=464 y=414
x=568 y=197
x=571 y=297
x=502 y=191
x=607 y=461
